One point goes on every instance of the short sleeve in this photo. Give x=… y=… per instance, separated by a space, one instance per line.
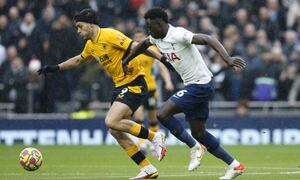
x=86 y=52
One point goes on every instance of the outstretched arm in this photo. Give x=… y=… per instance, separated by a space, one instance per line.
x=164 y=72
x=68 y=64
x=233 y=62
x=137 y=49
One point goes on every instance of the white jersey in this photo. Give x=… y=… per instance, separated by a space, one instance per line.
x=183 y=55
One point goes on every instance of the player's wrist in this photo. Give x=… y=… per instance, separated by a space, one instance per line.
x=54 y=68
x=163 y=58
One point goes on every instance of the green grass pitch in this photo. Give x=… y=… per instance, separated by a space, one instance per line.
x=110 y=162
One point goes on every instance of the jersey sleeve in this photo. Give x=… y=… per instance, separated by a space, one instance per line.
x=86 y=52
x=119 y=40
x=184 y=36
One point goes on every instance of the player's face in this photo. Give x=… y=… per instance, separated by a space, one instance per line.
x=138 y=37
x=84 y=30
x=155 y=28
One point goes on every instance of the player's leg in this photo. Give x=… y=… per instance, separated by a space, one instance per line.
x=197 y=117
x=139 y=118
x=153 y=122
x=166 y=118
x=147 y=169
x=150 y=105
x=125 y=102
x=114 y=120
x=213 y=146
x=153 y=126
x=139 y=115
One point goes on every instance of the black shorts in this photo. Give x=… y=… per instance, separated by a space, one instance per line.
x=132 y=94
x=150 y=102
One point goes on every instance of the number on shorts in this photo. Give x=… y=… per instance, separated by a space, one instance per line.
x=180 y=93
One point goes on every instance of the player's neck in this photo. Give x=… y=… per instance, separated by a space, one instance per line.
x=95 y=30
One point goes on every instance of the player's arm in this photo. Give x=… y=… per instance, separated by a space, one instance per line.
x=233 y=62
x=71 y=63
x=139 y=48
x=68 y=64
x=135 y=50
x=151 y=53
x=164 y=72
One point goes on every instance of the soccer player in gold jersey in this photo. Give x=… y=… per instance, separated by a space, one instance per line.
x=109 y=46
x=150 y=103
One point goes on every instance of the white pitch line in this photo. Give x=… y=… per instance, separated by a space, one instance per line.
x=295 y=172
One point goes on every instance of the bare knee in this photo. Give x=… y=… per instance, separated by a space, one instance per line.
x=110 y=123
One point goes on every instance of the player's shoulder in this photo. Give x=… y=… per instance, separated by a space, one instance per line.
x=179 y=30
x=110 y=31
x=110 y=34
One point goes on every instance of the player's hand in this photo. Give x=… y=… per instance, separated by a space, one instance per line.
x=126 y=69
x=48 y=69
x=237 y=63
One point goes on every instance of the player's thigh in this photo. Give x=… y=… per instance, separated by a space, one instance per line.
x=168 y=109
x=117 y=112
x=152 y=115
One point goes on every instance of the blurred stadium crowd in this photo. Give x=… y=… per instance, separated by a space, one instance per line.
x=266 y=33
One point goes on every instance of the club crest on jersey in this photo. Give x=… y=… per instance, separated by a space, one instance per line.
x=172 y=57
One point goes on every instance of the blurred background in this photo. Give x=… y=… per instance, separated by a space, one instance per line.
x=254 y=113
x=266 y=33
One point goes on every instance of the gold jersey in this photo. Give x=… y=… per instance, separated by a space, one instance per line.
x=108 y=48
x=147 y=63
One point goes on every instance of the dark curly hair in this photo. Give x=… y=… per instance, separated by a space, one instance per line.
x=157 y=13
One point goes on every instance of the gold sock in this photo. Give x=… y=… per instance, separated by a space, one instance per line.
x=135 y=129
x=141 y=132
x=137 y=156
x=154 y=128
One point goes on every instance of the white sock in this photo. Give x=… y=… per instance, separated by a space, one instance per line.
x=234 y=163
x=194 y=147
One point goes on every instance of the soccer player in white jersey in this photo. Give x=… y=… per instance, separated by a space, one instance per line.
x=177 y=44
